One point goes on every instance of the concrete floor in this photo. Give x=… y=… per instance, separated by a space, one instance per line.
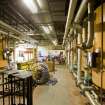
x=64 y=92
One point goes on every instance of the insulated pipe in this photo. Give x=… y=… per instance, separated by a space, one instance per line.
x=95 y=95
x=91 y=99
x=89 y=96
x=71 y=10
x=81 y=11
x=89 y=42
x=84 y=34
x=71 y=57
x=86 y=72
x=71 y=32
x=68 y=53
x=79 y=60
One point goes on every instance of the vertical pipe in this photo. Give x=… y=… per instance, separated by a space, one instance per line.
x=86 y=67
x=68 y=49
x=84 y=34
x=71 y=53
x=90 y=24
x=79 y=60
x=75 y=53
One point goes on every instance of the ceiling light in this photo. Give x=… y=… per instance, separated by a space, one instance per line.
x=46 y=29
x=31 y=5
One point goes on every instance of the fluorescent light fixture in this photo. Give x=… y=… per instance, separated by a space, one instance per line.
x=46 y=29
x=31 y=5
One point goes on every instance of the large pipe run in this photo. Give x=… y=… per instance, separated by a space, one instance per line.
x=81 y=11
x=71 y=10
x=89 y=42
x=11 y=29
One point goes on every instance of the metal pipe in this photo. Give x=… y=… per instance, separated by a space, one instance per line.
x=68 y=53
x=89 y=95
x=89 y=42
x=71 y=32
x=79 y=60
x=13 y=36
x=74 y=74
x=71 y=10
x=95 y=95
x=81 y=11
x=11 y=29
x=91 y=99
x=71 y=57
x=84 y=34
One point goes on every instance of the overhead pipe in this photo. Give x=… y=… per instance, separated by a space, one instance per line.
x=80 y=14
x=5 y=33
x=84 y=5
x=11 y=29
x=81 y=11
x=89 y=42
x=72 y=6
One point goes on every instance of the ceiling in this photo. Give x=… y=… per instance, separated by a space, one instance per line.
x=50 y=15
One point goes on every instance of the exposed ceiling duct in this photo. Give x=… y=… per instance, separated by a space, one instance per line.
x=14 y=31
x=41 y=6
x=50 y=14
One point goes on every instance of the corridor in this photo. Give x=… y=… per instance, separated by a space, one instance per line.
x=64 y=92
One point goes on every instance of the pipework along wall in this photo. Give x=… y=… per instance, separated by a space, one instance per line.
x=96 y=74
